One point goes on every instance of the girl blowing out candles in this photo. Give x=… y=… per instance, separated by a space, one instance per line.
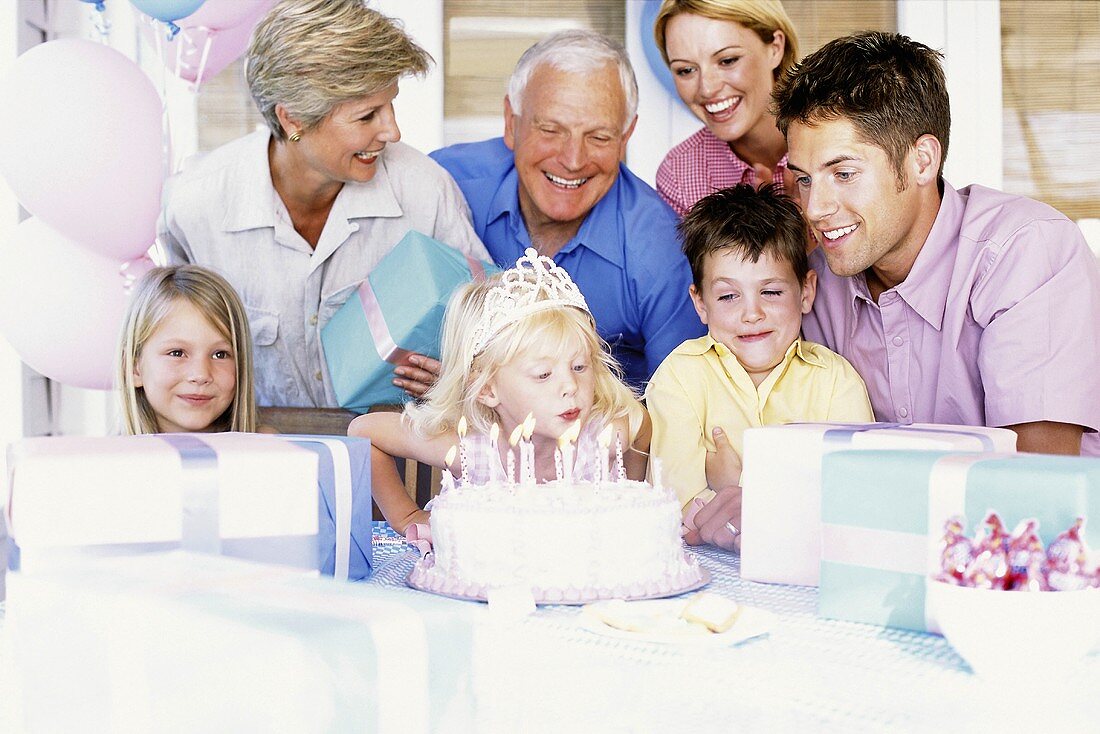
x=520 y=347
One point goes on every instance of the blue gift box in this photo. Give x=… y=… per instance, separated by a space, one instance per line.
x=398 y=309
x=344 y=504
x=883 y=516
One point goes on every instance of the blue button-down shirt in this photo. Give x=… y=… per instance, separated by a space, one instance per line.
x=625 y=257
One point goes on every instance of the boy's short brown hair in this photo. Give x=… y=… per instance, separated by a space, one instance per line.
x=748 y=221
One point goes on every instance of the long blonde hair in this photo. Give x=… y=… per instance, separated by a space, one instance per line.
x=154 y=297
x=465 y=374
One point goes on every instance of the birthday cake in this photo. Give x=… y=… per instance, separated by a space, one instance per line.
x=567 y=541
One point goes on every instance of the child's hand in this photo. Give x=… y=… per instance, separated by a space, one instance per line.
x=416 y=380
x=723 y=465
x=711 y=522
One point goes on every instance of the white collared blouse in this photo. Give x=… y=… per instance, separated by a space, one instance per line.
x=222 y=212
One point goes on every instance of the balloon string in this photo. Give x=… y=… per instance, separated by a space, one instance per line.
x=210 y=33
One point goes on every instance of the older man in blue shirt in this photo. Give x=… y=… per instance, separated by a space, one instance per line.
x=555 y=182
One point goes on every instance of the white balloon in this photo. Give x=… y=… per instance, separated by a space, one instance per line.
x=81 y=144
x=62 y=306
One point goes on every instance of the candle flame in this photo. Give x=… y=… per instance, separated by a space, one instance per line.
x=516 y=435
x=462 y=426
x=528 y=426
x=571 y=434
x=604 y=439
x=449 y=459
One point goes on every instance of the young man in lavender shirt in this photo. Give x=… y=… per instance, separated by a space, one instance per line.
x=966 y=306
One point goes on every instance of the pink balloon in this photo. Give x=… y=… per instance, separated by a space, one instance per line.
x=81 y=144
x=221 y=14
x=62 y=305
x=183 y=54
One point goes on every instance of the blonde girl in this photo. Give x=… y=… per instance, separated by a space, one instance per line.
x=185 y=356
x=521 y=343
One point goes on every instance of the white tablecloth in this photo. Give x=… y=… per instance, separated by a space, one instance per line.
x=545 y=672
x=808 y=674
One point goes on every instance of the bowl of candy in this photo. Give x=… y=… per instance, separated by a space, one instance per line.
x=1006 y=603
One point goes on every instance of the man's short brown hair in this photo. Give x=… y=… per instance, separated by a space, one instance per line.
x=891 y=88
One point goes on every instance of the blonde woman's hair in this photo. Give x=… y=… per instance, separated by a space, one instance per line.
x=464 y=374
x=311 y=55
x=153 y=299
x=762 y=17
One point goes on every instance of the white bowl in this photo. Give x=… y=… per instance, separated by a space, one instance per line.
x=1000 y=633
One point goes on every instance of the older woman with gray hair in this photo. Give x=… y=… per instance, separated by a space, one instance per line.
x=297 y=215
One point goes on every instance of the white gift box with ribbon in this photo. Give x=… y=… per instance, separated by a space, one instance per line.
x=245 y=495
x=185 y=642
x=781 y=485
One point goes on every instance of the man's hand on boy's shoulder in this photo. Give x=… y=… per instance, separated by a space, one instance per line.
x=716 y=522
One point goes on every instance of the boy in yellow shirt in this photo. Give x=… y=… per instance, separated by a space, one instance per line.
x=752 y=284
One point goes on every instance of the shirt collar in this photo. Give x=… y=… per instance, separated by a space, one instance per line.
x=251 y=193
x=926 y=286
x=599 y=232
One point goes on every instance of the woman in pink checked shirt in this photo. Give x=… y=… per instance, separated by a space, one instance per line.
x=725 y=55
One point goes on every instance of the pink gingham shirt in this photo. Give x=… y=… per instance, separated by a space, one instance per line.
x=997 y=323
x=701 y=165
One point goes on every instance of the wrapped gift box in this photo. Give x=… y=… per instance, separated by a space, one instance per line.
x=398 y=309
x=182 y=642
x=245 y=495
x=781 y=485
x=883 y=515
x=344 y=504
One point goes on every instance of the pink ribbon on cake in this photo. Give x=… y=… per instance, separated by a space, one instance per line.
x=384 y=342
x=419 y=535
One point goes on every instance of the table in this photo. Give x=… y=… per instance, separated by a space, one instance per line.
x=546 y=673
x=809 y=674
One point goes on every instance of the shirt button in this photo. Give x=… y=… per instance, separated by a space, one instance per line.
x=313 y=320
x=901 y=411
x=898 y=341
x=317 y=375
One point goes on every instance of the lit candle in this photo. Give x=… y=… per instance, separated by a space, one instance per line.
x=465 y=461
x=603 y=441
x=512 y=441
x=565 y=445
x=448 y=461
x=494 y=465
x=527 y=451
x=620 y=467
x=559 y=471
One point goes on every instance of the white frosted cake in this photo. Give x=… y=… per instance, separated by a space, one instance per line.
x=566 y=541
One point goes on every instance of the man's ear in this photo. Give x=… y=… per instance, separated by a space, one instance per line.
x=809 y=291
x=488 y=396
x=626 y=138
x=509 y=124
x=928 y=154
x=286 y=121
x=697 y=301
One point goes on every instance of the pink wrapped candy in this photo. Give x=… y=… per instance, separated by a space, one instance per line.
x=998 y=560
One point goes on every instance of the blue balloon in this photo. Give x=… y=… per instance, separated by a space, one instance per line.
x=167 y=10
x=649 y=46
